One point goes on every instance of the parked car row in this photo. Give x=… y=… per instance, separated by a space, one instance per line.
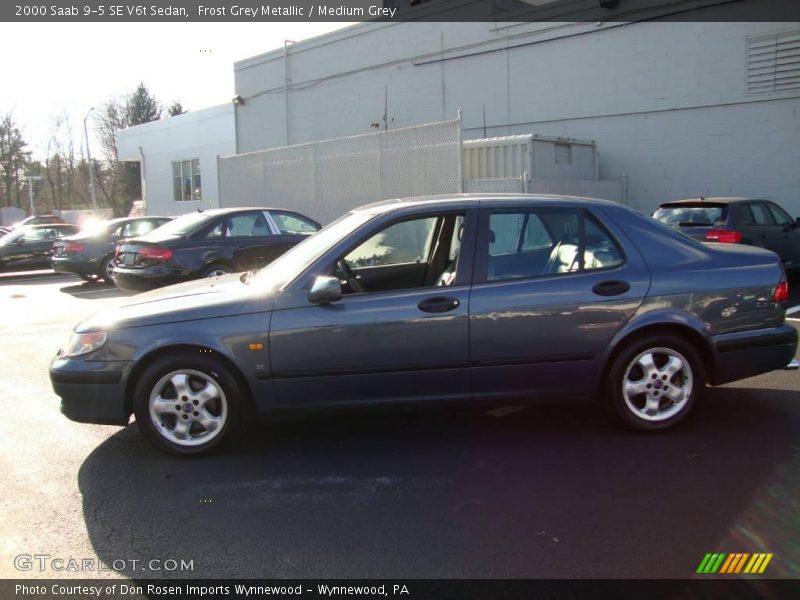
x=490 y=298
x=90 y=253
x=208 y=244
x=145 y=252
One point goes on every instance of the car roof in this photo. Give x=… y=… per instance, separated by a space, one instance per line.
x=477 y=199
x=50 y=225
x=225 y=211
x=713 y=200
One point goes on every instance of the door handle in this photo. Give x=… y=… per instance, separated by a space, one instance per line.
x=612 y=287
x=438 y=304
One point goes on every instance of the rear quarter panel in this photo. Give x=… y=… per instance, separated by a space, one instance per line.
x=712 y=288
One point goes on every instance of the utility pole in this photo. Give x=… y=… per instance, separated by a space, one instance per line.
x=89 y=157
x=31 y=179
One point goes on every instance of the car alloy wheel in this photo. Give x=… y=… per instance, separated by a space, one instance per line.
x=188 y=408
x=189 y=403
x=108 y=268
x=216 y=270
x=653 y=383
x=657 y=384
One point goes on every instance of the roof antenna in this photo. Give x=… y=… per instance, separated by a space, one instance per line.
x=702 y=198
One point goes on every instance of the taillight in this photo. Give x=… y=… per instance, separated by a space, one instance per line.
x=781 y=292
x=725 y=236
x=155 y=253
x=73 y=248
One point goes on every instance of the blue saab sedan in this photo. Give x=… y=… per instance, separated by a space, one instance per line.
x=487 y=298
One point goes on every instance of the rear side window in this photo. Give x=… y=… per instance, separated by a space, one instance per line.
x=744 y=216
x=248 y=225
x=547 y=242
x=292 y=224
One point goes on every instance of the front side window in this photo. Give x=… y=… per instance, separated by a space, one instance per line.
x=528 y=244
x=405 y=242
x=186 y=180
x=414 y=253
x=781 y=218
x=38 y=235
x=760 y=215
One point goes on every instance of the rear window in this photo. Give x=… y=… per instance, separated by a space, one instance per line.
x=688 y=215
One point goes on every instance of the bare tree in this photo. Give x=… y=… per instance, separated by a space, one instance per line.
x=119 y=181
x=60 y=164
x=13 y=158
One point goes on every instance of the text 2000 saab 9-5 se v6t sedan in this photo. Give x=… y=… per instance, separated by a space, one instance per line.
x=493 y=298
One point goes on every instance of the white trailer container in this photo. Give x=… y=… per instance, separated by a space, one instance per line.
x=513 y=156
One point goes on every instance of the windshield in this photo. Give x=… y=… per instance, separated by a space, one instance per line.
x=184 y=224
x=691 y=216
x=285 y=268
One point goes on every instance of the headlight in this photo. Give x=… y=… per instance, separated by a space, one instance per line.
x=83 y=343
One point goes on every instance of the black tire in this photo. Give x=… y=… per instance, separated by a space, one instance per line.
x=102 y=271
x=665 y=397
x=161 y=428
x=217 y=268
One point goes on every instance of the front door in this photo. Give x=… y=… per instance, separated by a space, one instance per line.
x=399 y=336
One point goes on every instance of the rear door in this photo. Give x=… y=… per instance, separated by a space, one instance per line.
x=786 y=236
x=552 y=288
x=761 y=229
x=250 y=238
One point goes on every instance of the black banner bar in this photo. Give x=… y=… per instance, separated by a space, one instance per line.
x=410 y=589
x=266 y=11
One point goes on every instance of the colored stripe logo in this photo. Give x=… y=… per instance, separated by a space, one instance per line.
x=737 y=562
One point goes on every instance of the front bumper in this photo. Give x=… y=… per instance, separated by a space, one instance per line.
x=740 y=355
x=91 y=391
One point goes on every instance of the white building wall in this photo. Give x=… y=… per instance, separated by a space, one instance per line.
x=666 y=103
x=202 y=134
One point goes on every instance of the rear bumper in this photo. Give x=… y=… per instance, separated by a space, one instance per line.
x=91 y=391
x=66 y=264
x=150 y=278
x=740 y=355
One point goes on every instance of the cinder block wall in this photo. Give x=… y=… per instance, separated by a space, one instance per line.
x=667 y=103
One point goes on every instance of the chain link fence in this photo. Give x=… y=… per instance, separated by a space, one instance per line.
x=512 y=185
x=326 y=179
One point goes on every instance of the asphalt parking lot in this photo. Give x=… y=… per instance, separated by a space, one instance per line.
x=552 y=491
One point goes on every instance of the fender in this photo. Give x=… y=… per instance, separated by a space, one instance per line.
x=645 y=318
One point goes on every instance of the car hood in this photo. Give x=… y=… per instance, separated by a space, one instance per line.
x=202 y=299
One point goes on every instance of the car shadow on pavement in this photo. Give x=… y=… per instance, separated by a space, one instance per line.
x=552 y=491
x=88 y=290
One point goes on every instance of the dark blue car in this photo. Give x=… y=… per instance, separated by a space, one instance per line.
x=486 y=298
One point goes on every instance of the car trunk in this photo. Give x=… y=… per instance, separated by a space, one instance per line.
x=129 y=253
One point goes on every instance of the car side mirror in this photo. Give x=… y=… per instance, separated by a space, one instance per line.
x=325 y=289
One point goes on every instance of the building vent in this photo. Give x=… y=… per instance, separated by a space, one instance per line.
x=773 y=63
